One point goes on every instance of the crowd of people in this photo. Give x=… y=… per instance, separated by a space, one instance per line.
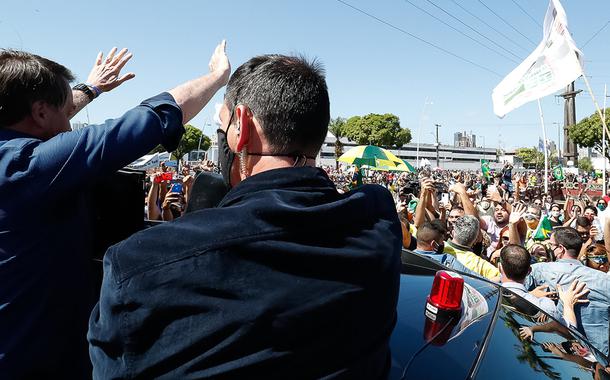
x=550 y=248
x=296 y=267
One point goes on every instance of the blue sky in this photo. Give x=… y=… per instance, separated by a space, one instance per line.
x=371 y=67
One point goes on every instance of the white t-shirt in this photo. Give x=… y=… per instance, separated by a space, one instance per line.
x=493 y=230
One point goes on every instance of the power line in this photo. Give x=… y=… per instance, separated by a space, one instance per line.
x=419 y=38
x=596 y=33
x=526 y=12
x=506 y=22
x=489 y=26
x=459 y=31
x=474 y=30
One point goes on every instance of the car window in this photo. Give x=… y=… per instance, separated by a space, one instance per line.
x=558 y=353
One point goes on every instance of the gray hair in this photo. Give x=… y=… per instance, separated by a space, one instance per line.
x=466 y=230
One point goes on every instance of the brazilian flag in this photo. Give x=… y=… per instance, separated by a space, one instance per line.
x=485 y=170
x=544 y=229
x=558 y=173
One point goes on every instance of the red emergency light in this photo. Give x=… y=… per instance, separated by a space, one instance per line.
x=446 y=293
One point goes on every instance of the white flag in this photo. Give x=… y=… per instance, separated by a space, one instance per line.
x=554 y=64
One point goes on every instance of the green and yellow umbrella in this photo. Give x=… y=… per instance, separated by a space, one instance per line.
x=385 y=165
x=370 y=155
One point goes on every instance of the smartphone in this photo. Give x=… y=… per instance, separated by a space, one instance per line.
x=176 y=188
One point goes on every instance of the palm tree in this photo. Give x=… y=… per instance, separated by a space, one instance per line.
x=337 y=128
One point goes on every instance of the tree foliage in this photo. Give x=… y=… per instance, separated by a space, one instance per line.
x=588 y=132
x=189 y=142
x=337 y=128
x=585 y=164
x=375 y=129
x=532 y=157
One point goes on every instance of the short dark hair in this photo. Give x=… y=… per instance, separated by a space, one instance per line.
x=583 y=221
x=515 y=261
x=26 y=78
x=288 y=96
x=430 y=231
x=592 y=208
x=569 y=238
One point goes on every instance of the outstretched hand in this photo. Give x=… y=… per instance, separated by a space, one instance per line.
x=219 y=62
x=517 y=213
x=105 y=73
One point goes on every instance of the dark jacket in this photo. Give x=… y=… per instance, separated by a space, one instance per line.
x=285 y=279
x=46 y=292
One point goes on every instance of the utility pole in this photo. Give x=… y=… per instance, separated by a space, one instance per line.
x=437 y=145
x=570 y=151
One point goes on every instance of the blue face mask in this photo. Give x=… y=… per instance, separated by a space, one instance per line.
x=601 y=207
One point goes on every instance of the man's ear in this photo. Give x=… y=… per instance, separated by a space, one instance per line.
x=243 y=116
x=40 y=113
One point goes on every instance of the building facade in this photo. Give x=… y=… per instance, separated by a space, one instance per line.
x=450 y=157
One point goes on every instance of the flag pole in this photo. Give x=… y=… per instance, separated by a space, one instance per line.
x=546 y=153
x=599 y=111
x=604 y=143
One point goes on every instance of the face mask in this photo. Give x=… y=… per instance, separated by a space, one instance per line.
x=438 y=248
x=555 y=214
x=477 y=248
x=601 y=207
x=225 y=156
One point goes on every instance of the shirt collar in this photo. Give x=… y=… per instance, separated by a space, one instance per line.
x=304 y=178
x=9 y=134
x=513 y=285
x=458 y=246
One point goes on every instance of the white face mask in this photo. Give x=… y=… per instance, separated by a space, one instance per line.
x=555 y=214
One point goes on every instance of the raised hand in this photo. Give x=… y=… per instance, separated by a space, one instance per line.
x=106 y=73
x=458 y=188
x=219 y=62
x=517 y=213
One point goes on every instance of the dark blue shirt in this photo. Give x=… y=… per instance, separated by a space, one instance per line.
x=45 y=287
x=286 y=279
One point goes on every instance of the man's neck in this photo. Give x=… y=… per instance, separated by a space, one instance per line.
x=24 y=127
x=506 y=280
x=457 y=245
x=263 y=163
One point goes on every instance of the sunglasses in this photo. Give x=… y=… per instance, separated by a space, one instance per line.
x=598 y=259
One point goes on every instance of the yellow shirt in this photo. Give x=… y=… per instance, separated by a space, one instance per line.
x=472 y=261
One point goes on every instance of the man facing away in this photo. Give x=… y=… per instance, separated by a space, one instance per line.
x=46 y=292
x=515 y=266
x=285 y=278
x=593 y=316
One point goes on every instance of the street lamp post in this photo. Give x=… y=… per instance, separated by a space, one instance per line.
x=437 y=145
x=421 y=121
